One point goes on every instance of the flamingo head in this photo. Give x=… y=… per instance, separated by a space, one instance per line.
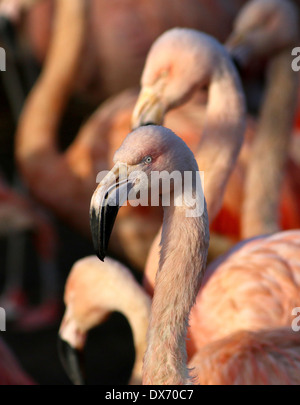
x=179 y=62
x=71 y=341
x=262 y=28
x=84 y=288
x=144 y=152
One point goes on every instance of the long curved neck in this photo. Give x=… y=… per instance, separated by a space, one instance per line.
x=270 y=149
x=42 y=113
x=182 y=264
x=223 y=133
x=138 y=318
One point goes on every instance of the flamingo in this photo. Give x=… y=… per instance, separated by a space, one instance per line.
x=269 y=29
x=152 y=96
x=262 y=28
x=93 y=290
x=259 y=280
x=170 y=83
x=144 y=115
x=183 y=256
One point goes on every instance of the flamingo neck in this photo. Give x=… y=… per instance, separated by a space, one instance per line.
x=182 y=262
x=42 y=113
x=138 y=318
x=223 y=132
x=270 y=149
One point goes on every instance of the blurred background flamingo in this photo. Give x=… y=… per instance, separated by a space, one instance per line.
x=252 y=40
x=93 y=290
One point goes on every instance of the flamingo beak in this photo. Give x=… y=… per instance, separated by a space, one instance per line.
x=148 y=109
x=71 y=341
x=72 y=361
x=239 y=49
x=234 y=40
x=109 y=196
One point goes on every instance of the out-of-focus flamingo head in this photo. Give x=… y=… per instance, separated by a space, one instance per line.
x=144 y=151
x=262 y=28
x=71 y=343
x=93 y=291
x=86 y=308
x=179 y=62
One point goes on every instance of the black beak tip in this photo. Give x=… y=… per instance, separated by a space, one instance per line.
x=237 y=64
x=98 y=248
x=148 y=123
x=72 y=362
x=101 y=257
x=143 y=125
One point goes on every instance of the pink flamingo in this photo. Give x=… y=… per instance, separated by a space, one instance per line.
x=166 y=83
x=93 y=290
x=184 y=248
x=268 y=30
x=259 y=280
x=251 y=37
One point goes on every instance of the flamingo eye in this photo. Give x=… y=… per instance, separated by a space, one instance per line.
x=148 y=159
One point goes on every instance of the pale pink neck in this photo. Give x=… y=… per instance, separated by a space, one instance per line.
x=223 y=133
x=40 y=119
x=270 y=149
x=137 y=312
x=182 y=263
x=138 y=319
